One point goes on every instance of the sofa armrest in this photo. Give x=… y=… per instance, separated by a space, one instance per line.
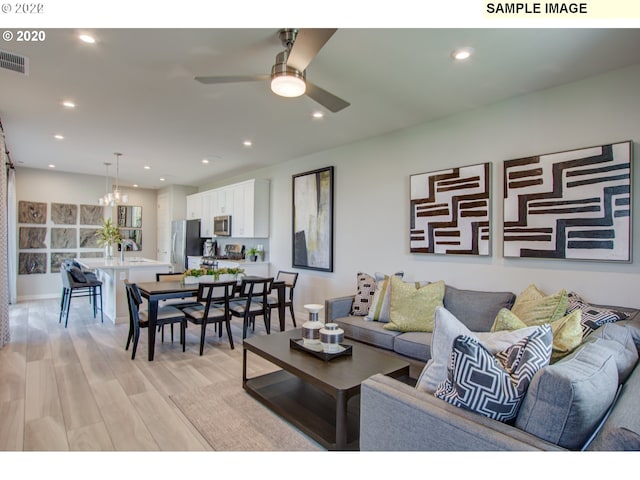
x=396 y=417
x=338 y=307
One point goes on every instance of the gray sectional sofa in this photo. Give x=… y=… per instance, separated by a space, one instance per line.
x=584 y=401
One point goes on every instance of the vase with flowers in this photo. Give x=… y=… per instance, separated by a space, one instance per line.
x=108 y=236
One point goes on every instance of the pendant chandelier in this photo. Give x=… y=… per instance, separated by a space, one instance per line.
x=113 y=197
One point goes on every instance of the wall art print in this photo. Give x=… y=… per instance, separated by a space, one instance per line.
x=32 y=263
x=32 y=237
x=313 y=220
x=570 y=205
x=450 y=211
x=32 y=212
x=64 y=213
x=91 y=214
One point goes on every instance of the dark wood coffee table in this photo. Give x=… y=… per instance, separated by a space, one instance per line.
x=321 y=398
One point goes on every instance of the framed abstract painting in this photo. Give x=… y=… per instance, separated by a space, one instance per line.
x=450 y=211
x=570 y=205
x=313 y=220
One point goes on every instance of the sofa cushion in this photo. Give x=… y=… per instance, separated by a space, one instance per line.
x=372 y=333
x=364 y=294
x=567 y=334
x=476 y=309
x=414 y=344
x=379 y=309
x=620 y=340
x=622 y=429
x=566 y=400
x=593 y=317
x=412 y=308
x=446 y=328
x=494 y=386
x=534 y=307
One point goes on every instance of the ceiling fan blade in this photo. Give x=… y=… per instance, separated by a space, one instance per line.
x=308 y=43
x=232 y=79
x=324 y=98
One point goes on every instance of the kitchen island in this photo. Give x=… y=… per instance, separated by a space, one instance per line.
x=113 y=273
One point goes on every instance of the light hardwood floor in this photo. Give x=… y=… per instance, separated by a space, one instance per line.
x=77 y=389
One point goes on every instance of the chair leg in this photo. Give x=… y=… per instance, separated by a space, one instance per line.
x=172 y=333
x=100 y=295
x=136 y=337
x=203 y=329
x=66 y=308
x=63 y=302
x=129 y=337
x=161 y=329
x=293 y=316
x=183 y=334
x=245 y=326
x=228 y=323
x=267 y=321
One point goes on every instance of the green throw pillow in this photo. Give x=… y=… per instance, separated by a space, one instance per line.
x=412 y=308
x=567 y=332
x=533 y=307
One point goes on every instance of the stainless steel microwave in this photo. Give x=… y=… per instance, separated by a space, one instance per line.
x=222 y=225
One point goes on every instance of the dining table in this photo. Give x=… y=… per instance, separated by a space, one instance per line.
x=154 y=292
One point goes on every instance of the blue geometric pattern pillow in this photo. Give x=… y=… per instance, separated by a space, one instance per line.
x=592 y=317
x=494 y=386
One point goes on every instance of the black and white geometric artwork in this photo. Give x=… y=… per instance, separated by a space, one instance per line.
x=570 y=205
x=450 y=211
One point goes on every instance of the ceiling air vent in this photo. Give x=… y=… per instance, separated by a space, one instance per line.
x=14 y=62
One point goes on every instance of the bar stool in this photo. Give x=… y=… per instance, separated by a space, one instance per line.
x=76 y=284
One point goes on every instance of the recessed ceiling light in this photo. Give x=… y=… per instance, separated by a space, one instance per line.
x=162 y=179
x=462 y=53
x=87 y=38
x=147 y=167
x=318 y=114
x=57 y=136
x=135 y=185
x=68 y=104
x=247 y=143
x=51 y=165
x=205 y=161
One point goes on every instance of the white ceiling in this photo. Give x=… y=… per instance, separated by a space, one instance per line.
x=135 y=92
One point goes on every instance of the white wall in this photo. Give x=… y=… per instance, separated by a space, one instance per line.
x=50 y=186
x=372 y=192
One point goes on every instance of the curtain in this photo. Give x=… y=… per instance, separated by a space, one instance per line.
x=12 y=231
x=4 y=274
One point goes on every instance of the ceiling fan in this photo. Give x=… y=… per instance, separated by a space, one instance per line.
x=288 y=76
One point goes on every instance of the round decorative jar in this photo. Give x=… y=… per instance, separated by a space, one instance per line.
x=311 y=328
x=331 y=336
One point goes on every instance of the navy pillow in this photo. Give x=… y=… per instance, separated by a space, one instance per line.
x=77 y=275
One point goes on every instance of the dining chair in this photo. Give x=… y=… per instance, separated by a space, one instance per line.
x=212 y=308
x=137 y=319
x=174 y=302
x=289 y=279
x=76 y=284
x=251 y=302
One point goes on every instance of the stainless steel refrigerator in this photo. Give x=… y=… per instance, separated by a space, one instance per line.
x=185 y=241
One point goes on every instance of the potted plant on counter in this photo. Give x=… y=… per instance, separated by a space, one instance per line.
x=108 y=236
x=253 y=253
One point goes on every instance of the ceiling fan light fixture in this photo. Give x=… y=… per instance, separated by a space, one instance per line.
x=287 y=85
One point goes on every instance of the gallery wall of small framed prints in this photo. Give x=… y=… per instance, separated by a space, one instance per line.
x=48 y=234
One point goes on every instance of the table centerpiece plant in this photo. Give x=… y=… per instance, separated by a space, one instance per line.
x=195 y=275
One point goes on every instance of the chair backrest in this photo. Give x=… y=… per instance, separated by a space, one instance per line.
x=169 y=277
x=289 y=279
x=215 y=292
x=255 y=290
x=134 y=299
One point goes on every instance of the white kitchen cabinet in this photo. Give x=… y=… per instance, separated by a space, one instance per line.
x=222 y=201
x=247 y=202
x=194 y=206
x=206 y=218
x=250 y=217
x=260 y=269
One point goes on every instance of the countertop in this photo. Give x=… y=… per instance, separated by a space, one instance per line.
x=129 y=262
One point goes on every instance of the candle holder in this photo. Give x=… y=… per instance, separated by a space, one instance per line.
x=311 y=328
